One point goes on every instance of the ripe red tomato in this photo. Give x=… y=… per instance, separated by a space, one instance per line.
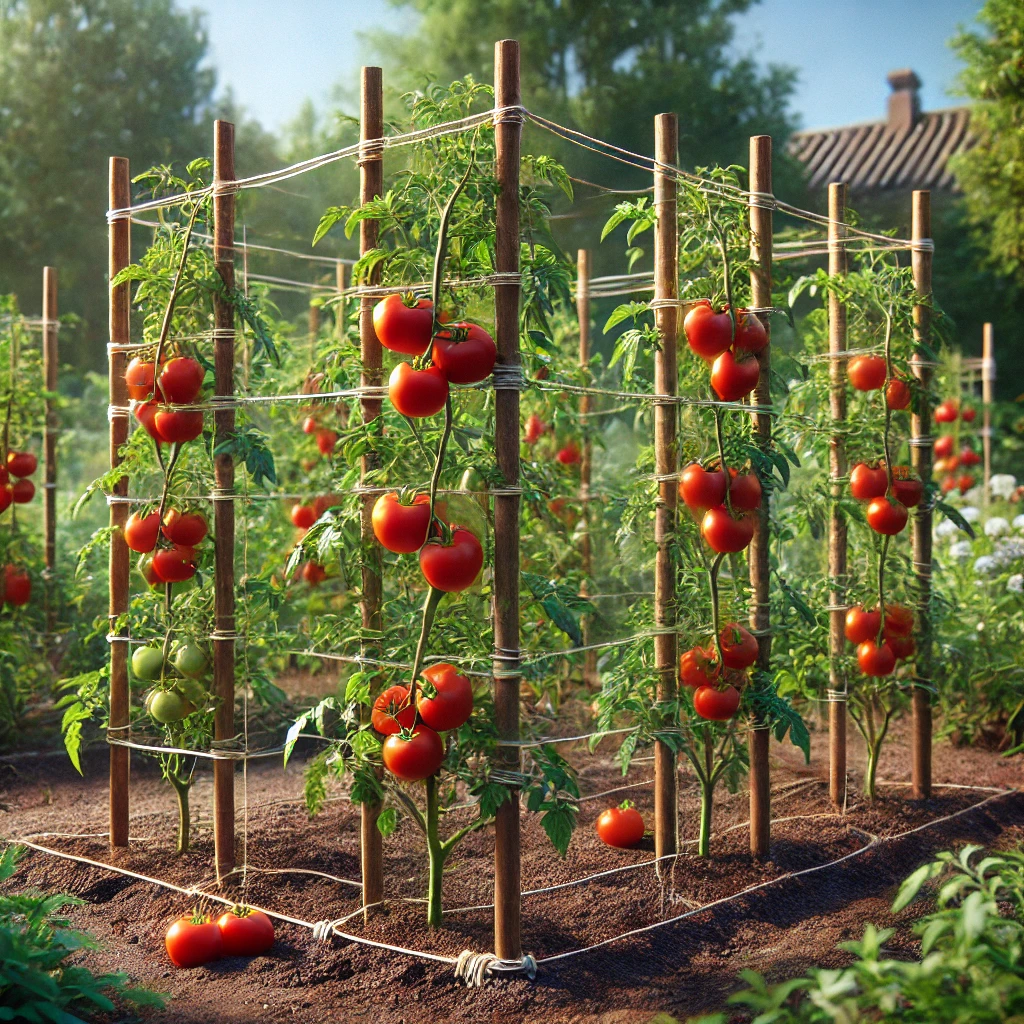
x=969 y=457
x=744 y=491
x=17 y=587
x=141 y=532
x=21 y=464
x=175 y=564
x=23 y=491
x=314 y=573
x=303 y=516
x=867 y=482
x=417 y=757
x=708 y=333
x=465 y=353
x=326 y=440
x=6 y=497
x=866 y=373
x=943 y=446
x=404 y=323
x=751 y=335
x=874 y=660
x=723 y=533
x=948 y=484
x=897 y=393
x=964 y=482
x=455 y=566
x=716 y=705
x=310 y=425
x=535 y=427
x=452 y=704
x=245 y=933
x=698 y=667
x=701 y=488
x=146 y=415
x=899 y=621
x=947 y=411
x=862 y=625
x=392 y=711
x=139 y=378
x=967 y=414
x=733 y=378
x=177 y=426
x=621 y=827
x=192 y=941
x=739 y=646
x=417 y=393
x=180 y=381
x=570 y=455
x=886 y=516
x=401 y=528
x=906 y=489
x=188 y=528
x=902 y=647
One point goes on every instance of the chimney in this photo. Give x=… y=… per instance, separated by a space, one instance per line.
x=904 y=101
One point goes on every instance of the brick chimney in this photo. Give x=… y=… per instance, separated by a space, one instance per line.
x=904 y=100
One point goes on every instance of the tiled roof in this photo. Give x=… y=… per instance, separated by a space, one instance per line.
x=874 y=157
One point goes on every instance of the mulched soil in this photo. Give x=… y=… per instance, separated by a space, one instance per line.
x=683 y=968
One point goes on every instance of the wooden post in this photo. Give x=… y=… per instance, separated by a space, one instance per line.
x=314 y=331
x=837 y=267
x=223 y=502
x=371 y=185
x=507 y=132
x=586 y=555
x=988 y=379
x=50 y=449
x=339 y=283
x=119 y=239
x=760 y=571
x=666 y=462
x=922 y=445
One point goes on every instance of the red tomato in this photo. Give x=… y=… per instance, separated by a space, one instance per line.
x=303 y=516
x=723 y=533
x=867 y=482
x=967 y=414
x=708 y=333
x=570 y=455
x=310 y=425
x=902 y=647
x=701 y=488
x=177 y=427
x=21 y=464
x=146 y=415
x=326 y=440
x=23 y=491
x=452 y=704
x=897 y=393
x=6 y=497
x=621 y=827
x=714 y=704
x=866 y=373
x=969 y=457
x=188 y=528
x=141 y=532
x=535 y=427
x=417 y=393
x=964 y=483
x=744 y=491
x=17 y=587
x=739 y=646
x=874 y=660
x=698 y=667
x=899 y=621
x=751 y=335
x=392 y=711
x=325 y=502
x=886 y=516
x=733 y=378
x=245 y=933
x=175 y=564
x=180 y=381
x=948 y=484
x=192 y=941
x=417 y=757
x=139 y=378
x=401 y=528
x=947 y=411
x=943 y=446
x=404 y=323
x=862 y=625
x=455 y=566
x=906 y=489
x=465 y=353
x=314 y=573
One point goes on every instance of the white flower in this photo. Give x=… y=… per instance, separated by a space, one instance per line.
x=970 y=513
x=1003 y=485
x=985 y=565
x=1010 y=549
x=996 y=527
x=1018 y=522
x=947 y=528
x=975 y=494
x=962 y=550
x=1015 y=584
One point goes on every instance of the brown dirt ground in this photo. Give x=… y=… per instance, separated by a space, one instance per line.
x=683 y=968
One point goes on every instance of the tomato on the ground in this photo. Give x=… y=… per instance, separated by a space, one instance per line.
x=413 y=756
x=451 y=704
x=621 y=827
x=245 y=932
x=193 y=940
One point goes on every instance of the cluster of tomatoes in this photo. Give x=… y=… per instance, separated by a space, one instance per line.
x=947 y=460
x=182 y=682
x=460 y=353
x=326 y=438
x=198 y=939
x=178 y=382
x=730 y=354
x=175 y=559
x=716 y=689
x=20 y=466
x=569 y=454
x=881 y=641
x=715 y=505
x=303 y=515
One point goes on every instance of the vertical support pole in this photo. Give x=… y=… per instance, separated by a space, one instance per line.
x=339 y=284
x=223 y=501
x=988 y=379
x=666 y=461
x=119 y=238
x=314 y=331
x=507 y=132
x=922 y=445
x=50 y=449
x=760 y=571
x=586 y=553
x=837 y=267
x=371 y=185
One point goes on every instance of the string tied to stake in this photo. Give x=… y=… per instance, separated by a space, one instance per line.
x=509 y=377
x=473 y=969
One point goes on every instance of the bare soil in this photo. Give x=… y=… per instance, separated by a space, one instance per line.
x=681 y=968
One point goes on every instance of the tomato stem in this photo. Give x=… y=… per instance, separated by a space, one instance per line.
x=436 y=856
x=720 y=438
x=429 y=611
x=707 y=793
x=724 y=249
x=881 y=590
x=888 y=411
x=713 y=578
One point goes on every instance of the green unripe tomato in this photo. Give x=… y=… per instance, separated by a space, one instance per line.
x=193 y=690
x=190 y=660
x=166 y=706
x=147 y=663
x=473 y=480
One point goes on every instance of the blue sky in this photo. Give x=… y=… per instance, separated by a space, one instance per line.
x=274 y=55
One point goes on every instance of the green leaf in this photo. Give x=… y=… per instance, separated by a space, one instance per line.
x=387 y=821
x=953 y=515
x=559 y=823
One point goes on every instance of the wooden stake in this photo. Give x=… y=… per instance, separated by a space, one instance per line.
x=223 y=502
x=339 y=283
x=314 y=331
x=921 y=454
x=119 y=239
x=50 y=449
x=507 y=131
x=586 y=556
x=371 y=185
x=666 y=461
x=837 y=267
x=988 y=379
x=760 y=571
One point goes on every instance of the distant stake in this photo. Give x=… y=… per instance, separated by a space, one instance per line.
x=988 y=379
x=50 y=434
x=590 y=677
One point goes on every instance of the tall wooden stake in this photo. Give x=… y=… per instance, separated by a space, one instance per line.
x=119 y=238
x=837 y=267
x=371 y=185
x=988 y=379
x=507 y=131
x=922 y=447
x=760 y=571
x=223 y=502
x=586 y=553
x=666 y=382
x=50 y=449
